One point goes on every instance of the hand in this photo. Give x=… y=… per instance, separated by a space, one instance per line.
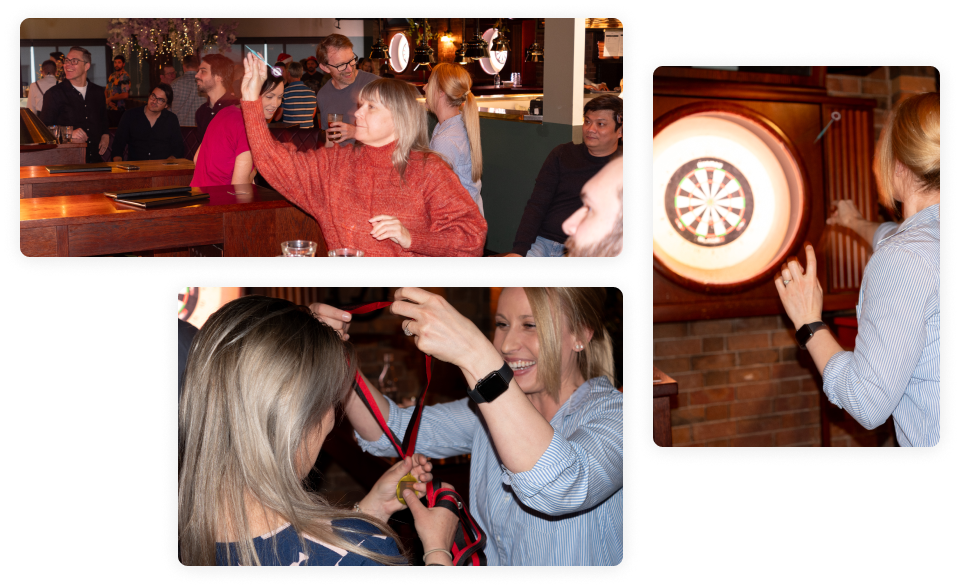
x=845 y=215
x=802 y=296
x=78 y=136
x=336 y=318
x=436 y=527
x=439 y=330
x=104 y=143
x=346 y=130
x=390 y=227
x=382 y=501
x=254 y=74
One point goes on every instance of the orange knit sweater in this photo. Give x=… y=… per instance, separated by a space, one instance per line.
x=344 y=187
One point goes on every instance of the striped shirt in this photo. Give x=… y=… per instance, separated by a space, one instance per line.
x=568 y=509
x=299 y=104
x=895 y=366
x=451 y=141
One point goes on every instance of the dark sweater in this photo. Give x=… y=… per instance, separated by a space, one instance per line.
x=159 y=141
x=556 y=194
x=64 y=105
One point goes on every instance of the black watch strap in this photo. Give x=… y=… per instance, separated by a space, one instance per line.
x=806 y=331
x=492 y=385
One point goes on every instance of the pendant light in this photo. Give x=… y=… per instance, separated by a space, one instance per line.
x=422 y=53
x=476 y=48
x=501 y=44
x=379 y=50
x=534 y=52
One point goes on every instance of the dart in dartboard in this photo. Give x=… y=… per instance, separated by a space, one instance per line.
x=709 y=202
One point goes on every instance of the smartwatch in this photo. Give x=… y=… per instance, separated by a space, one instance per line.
x=492 y=385
x=806 y=331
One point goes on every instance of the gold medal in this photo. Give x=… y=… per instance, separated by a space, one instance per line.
x=406 y=482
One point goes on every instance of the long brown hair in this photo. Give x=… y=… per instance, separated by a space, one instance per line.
x=409 y=118
x=261 y=374
x=581 y=311
x=454 y=83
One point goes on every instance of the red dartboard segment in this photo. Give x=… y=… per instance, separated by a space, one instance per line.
x=709 y=202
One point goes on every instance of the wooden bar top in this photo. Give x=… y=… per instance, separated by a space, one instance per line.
x=37 y=182
x=38 y=174
x=243 y=220
x=97 y=208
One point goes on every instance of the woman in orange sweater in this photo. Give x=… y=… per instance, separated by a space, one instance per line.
x=390 y=196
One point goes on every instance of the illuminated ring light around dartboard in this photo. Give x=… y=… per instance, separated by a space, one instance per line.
x=730 y=197
x=187 y=302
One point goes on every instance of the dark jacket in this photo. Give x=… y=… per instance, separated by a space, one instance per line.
x=159 y=141
x=64 y=105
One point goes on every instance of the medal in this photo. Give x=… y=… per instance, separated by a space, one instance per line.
x=406 y=482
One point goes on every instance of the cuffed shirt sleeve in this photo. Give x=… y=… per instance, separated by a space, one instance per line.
x=445 y=430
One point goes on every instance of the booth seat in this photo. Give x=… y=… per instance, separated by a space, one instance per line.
x=304 y=139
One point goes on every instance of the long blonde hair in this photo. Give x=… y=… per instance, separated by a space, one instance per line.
x=261 y=375
x=409 y=119
x=912 y=137
x=454 y=83
x=581 y=311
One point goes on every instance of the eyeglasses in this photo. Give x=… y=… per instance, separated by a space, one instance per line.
x=74 y=61
x=342 y=66
x=160 y=101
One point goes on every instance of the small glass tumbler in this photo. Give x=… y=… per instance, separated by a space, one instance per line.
x=345 y=252
x=515 y=78
x=67 y=133
x=332 y=118
x=298 y=248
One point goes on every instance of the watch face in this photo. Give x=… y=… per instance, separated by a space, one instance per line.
x=728 y=199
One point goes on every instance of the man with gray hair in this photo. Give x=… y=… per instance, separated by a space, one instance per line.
x=342 y=93
x=79 y=103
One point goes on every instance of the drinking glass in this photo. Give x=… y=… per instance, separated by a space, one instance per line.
x=298 y=248
x=332 y=118
x=56 y=132
x=345 y=252
x=515 y=78
x=26 y=92
x=67 y=133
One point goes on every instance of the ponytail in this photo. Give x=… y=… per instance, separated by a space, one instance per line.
x=471 y=119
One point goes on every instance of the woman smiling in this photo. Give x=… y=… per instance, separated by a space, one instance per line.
x=546 y=434
x=391 y=196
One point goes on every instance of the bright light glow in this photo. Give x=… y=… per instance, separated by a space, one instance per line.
x=497 y=59
x=399 y=52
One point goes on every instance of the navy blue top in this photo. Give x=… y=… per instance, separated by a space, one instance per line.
x=289 y=551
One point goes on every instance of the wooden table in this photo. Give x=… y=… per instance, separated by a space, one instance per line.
x=36 y=181
x=662 y=391
x=62 y=154
x=250 y=225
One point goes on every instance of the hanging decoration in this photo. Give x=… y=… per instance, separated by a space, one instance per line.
x=167 y=37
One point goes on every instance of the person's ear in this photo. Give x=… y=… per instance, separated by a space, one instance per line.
x=323 y=68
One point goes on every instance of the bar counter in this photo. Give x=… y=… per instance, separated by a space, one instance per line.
x=248 y=225
x=36 y=181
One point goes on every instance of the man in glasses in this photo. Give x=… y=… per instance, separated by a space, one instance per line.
x=342 y=93
x=79 y=103
x=151 y=132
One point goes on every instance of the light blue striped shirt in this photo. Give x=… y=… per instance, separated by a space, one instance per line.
x=895 y=366
x=451 y=141
x=567 y=510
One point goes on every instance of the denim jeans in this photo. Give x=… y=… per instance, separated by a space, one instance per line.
x=545 y=248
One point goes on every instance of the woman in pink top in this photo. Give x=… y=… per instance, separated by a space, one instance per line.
x=224 y=156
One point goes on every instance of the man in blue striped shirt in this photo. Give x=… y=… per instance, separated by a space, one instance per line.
x=895 y=366
x=299 y=103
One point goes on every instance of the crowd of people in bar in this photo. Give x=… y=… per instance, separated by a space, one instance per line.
x=378 y=181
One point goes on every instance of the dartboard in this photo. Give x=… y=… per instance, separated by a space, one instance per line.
x=709 y=202
x=728 y=197
x=187 y=302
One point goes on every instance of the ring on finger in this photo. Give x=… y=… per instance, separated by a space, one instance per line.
x=785 y=282
x=406 y=330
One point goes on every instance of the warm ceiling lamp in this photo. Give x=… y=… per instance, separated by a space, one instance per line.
x=379 y=50
x=422 y=53
x=501 y=44
x=534 y=53
x=447 y=37
x=476 y=48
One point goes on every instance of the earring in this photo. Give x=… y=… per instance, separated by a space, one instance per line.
x=578 y=346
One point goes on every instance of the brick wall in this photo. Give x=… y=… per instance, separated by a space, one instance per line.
x=885 y=84
x=744 y=382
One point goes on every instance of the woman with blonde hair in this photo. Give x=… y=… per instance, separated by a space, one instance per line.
x=894 y=368
x=262 y=381
x=390 y=196
x=546 y=432
x=457 y=134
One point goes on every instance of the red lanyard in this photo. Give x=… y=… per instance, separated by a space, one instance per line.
x=470 y=540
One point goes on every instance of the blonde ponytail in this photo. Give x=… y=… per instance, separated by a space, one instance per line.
x=471 y=119
x=455 y=83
